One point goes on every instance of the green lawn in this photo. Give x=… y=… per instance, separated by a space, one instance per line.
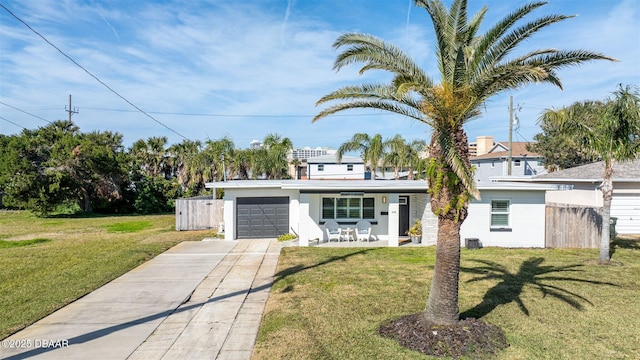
x=45 y=263
x=327 y=303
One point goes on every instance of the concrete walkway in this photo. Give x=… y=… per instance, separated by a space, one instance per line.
x=198 y=300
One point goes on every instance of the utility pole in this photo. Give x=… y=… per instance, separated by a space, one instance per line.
x=70 y=110
x=509 y=159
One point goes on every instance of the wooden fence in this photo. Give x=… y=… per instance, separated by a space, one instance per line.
x=198 y=213
x=572 y=226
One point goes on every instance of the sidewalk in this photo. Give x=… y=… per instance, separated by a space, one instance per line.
x=198 y=300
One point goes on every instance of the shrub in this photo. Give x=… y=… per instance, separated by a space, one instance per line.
x=287 y=237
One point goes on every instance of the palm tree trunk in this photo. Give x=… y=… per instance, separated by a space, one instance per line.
x=607 y=195
x=442 y=305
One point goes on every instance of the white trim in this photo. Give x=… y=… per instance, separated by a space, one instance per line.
x=508 y=213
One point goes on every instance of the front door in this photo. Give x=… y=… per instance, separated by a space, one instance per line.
x=403 y=219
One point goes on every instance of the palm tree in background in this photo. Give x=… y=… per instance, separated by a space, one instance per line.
x=607 y=130
x=216 y=156
x=397 y=154
x=417 y=157
x=371 y=149
x=295 y=163
x=472 y=68
x=184 y=162
x=275 y=160
x=151 y=156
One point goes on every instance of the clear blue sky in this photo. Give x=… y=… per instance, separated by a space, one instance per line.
x=244 y=69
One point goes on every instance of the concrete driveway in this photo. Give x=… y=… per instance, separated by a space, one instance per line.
x=198 y=300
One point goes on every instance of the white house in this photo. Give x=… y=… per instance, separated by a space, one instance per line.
x=585 y=183
x=509 y=215
x=327 y=167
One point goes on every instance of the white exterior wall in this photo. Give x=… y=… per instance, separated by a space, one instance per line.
x=336 y=172
x=393 y=222
x=309 y=224
x=575 y=197
x=526 y=219
x=229 y=207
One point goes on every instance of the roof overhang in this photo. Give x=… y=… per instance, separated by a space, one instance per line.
x=370 y=186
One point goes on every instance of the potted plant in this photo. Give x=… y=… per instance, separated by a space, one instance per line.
x=415 y=232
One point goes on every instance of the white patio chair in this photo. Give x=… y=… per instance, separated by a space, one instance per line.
x=363 y=230
x=333 y=231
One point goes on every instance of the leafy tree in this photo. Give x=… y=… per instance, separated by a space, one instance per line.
x=96 y=166
x=30 y=175
x=371 y=149
x=472 y=68
x=559 y=149
x=155 y=195
x=56 y=164
x=607 y=130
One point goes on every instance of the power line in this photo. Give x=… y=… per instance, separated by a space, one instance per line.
x=28 y=113
x=93 y=76
x=7 y=120
x=243 y=115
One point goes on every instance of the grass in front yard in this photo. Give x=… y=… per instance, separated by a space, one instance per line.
x=45 y=263
x=327 y=303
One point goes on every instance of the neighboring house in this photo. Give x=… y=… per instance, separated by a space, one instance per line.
x=327 y=167
x=298 y=169
x=585 y=181
x=509 y=215
x=495 y=161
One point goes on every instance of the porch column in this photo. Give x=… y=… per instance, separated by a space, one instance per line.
x=303 y=227
x=228 y=209
x=394 y=219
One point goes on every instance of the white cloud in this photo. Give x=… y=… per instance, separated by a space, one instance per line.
x=259 y=58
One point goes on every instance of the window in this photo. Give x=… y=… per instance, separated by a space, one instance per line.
x=516 y=162
x=348 y=208
x=500 y=213
x=320 y=167
x=349 y=167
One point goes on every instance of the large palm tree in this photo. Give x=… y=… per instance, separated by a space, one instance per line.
x=371 y=149
x=607 y=130
x=472 y=68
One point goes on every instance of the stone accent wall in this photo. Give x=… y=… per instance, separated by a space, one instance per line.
x=429 y=220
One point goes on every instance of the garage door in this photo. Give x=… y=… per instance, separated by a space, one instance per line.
x=626 y=207
x=262 y=217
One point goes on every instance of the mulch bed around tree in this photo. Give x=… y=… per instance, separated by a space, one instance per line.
x=469 y=337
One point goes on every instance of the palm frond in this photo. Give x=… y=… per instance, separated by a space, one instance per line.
x=390 y=107
x=382 y=97
x=376 y=54
x=503 y=47
x=498 y=30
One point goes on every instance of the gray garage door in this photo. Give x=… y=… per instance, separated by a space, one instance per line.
x=262 y=217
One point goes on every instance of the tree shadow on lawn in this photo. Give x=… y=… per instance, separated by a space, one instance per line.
x=298 y=268
x=631 y=242
x=531 y=273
